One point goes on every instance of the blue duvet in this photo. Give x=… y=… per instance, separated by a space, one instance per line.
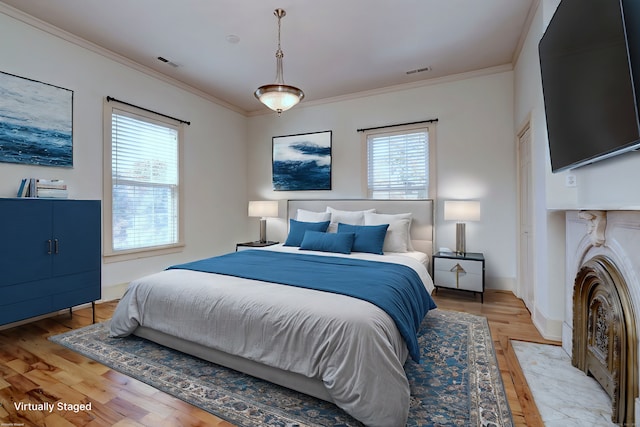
x=396 y=289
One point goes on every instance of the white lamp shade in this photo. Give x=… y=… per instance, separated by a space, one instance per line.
x=263 y=208
x=462 y=210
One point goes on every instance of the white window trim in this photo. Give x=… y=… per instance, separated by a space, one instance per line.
x=431 y=129
x=108 y=254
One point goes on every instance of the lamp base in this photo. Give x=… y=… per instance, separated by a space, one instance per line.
x=460 y=238
x=263 y=230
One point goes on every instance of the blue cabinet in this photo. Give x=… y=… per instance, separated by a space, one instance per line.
x=50 y=256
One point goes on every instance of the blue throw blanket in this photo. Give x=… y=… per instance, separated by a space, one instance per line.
x=396 y=289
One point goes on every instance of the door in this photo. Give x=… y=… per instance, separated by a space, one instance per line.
x=526 y=288
x=25 y=226
x=76 y=236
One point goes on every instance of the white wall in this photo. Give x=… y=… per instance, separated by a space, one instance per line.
x=609 y=184
x=475 y=154
x=549 y=190
x=215 y=143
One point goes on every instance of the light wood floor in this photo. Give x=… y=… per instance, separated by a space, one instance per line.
x=508 y=319
x=34 y=370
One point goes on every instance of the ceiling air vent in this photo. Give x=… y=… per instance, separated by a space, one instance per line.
x=166 y=61
x=418 y=70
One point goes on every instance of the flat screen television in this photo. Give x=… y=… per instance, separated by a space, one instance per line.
x=590 y=65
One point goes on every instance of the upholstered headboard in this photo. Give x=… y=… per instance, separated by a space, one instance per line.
x=422 y=212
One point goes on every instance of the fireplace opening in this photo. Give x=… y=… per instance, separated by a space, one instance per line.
x=604 y=334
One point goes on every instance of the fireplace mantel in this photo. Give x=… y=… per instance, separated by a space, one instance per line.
x=611 y=235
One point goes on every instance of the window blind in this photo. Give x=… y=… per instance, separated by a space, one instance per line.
x=144 y=182
x=398 y=165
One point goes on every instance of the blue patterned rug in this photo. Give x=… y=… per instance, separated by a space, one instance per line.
x=457 y=383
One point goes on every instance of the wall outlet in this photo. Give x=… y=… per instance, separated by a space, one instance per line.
x=570 y=181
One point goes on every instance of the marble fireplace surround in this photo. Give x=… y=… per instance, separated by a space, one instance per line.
x=614 y=235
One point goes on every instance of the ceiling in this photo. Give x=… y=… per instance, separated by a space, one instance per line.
x=226 y=48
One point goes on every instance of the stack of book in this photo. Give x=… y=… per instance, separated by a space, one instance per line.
x=44 y=188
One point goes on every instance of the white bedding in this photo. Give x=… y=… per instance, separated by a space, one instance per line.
x=353 y=346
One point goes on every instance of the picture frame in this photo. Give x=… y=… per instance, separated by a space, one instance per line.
x=36 y=122
x=302 y=162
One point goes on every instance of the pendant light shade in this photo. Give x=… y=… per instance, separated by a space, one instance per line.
x=278 y=96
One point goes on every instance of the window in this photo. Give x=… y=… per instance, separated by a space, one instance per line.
x=142 y=182
x=398 y=163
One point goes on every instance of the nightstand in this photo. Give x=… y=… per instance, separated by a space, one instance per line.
x=253 y=245
x=464 y=271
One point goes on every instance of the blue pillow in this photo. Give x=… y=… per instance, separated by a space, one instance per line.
x=369 y=238
x=328 y=242
x=298 y=228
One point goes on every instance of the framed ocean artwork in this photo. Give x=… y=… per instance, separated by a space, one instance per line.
x=36 y=122
x=302 y=162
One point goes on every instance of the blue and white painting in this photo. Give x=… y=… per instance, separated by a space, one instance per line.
x=302 y=162
x=36 y=122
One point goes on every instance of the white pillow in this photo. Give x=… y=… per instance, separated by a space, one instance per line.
x=345 y=217
x=309 y=216
x=398 y=238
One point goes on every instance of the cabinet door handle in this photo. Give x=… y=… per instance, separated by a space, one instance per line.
x=56 y=245
x=49 y=247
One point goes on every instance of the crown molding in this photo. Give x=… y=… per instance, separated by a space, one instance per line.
x=400 y=87
x=71 y=38
x=526 y=28
x=64 y=35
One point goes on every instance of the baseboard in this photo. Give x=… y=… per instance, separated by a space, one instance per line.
x=113 y=292
x=33 y=319
x=501 y=283
x=108 y=294
x=550 y=329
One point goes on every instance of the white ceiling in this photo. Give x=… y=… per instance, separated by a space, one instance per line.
x=331 y=47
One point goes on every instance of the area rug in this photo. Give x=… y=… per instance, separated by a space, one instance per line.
x=457 y=383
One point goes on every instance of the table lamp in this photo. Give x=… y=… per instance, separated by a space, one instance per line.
x=263 y=209
x=460 y=211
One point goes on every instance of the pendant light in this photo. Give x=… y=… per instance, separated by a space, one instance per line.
x=278 y=96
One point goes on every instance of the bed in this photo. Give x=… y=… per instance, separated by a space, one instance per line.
x=324 y=339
